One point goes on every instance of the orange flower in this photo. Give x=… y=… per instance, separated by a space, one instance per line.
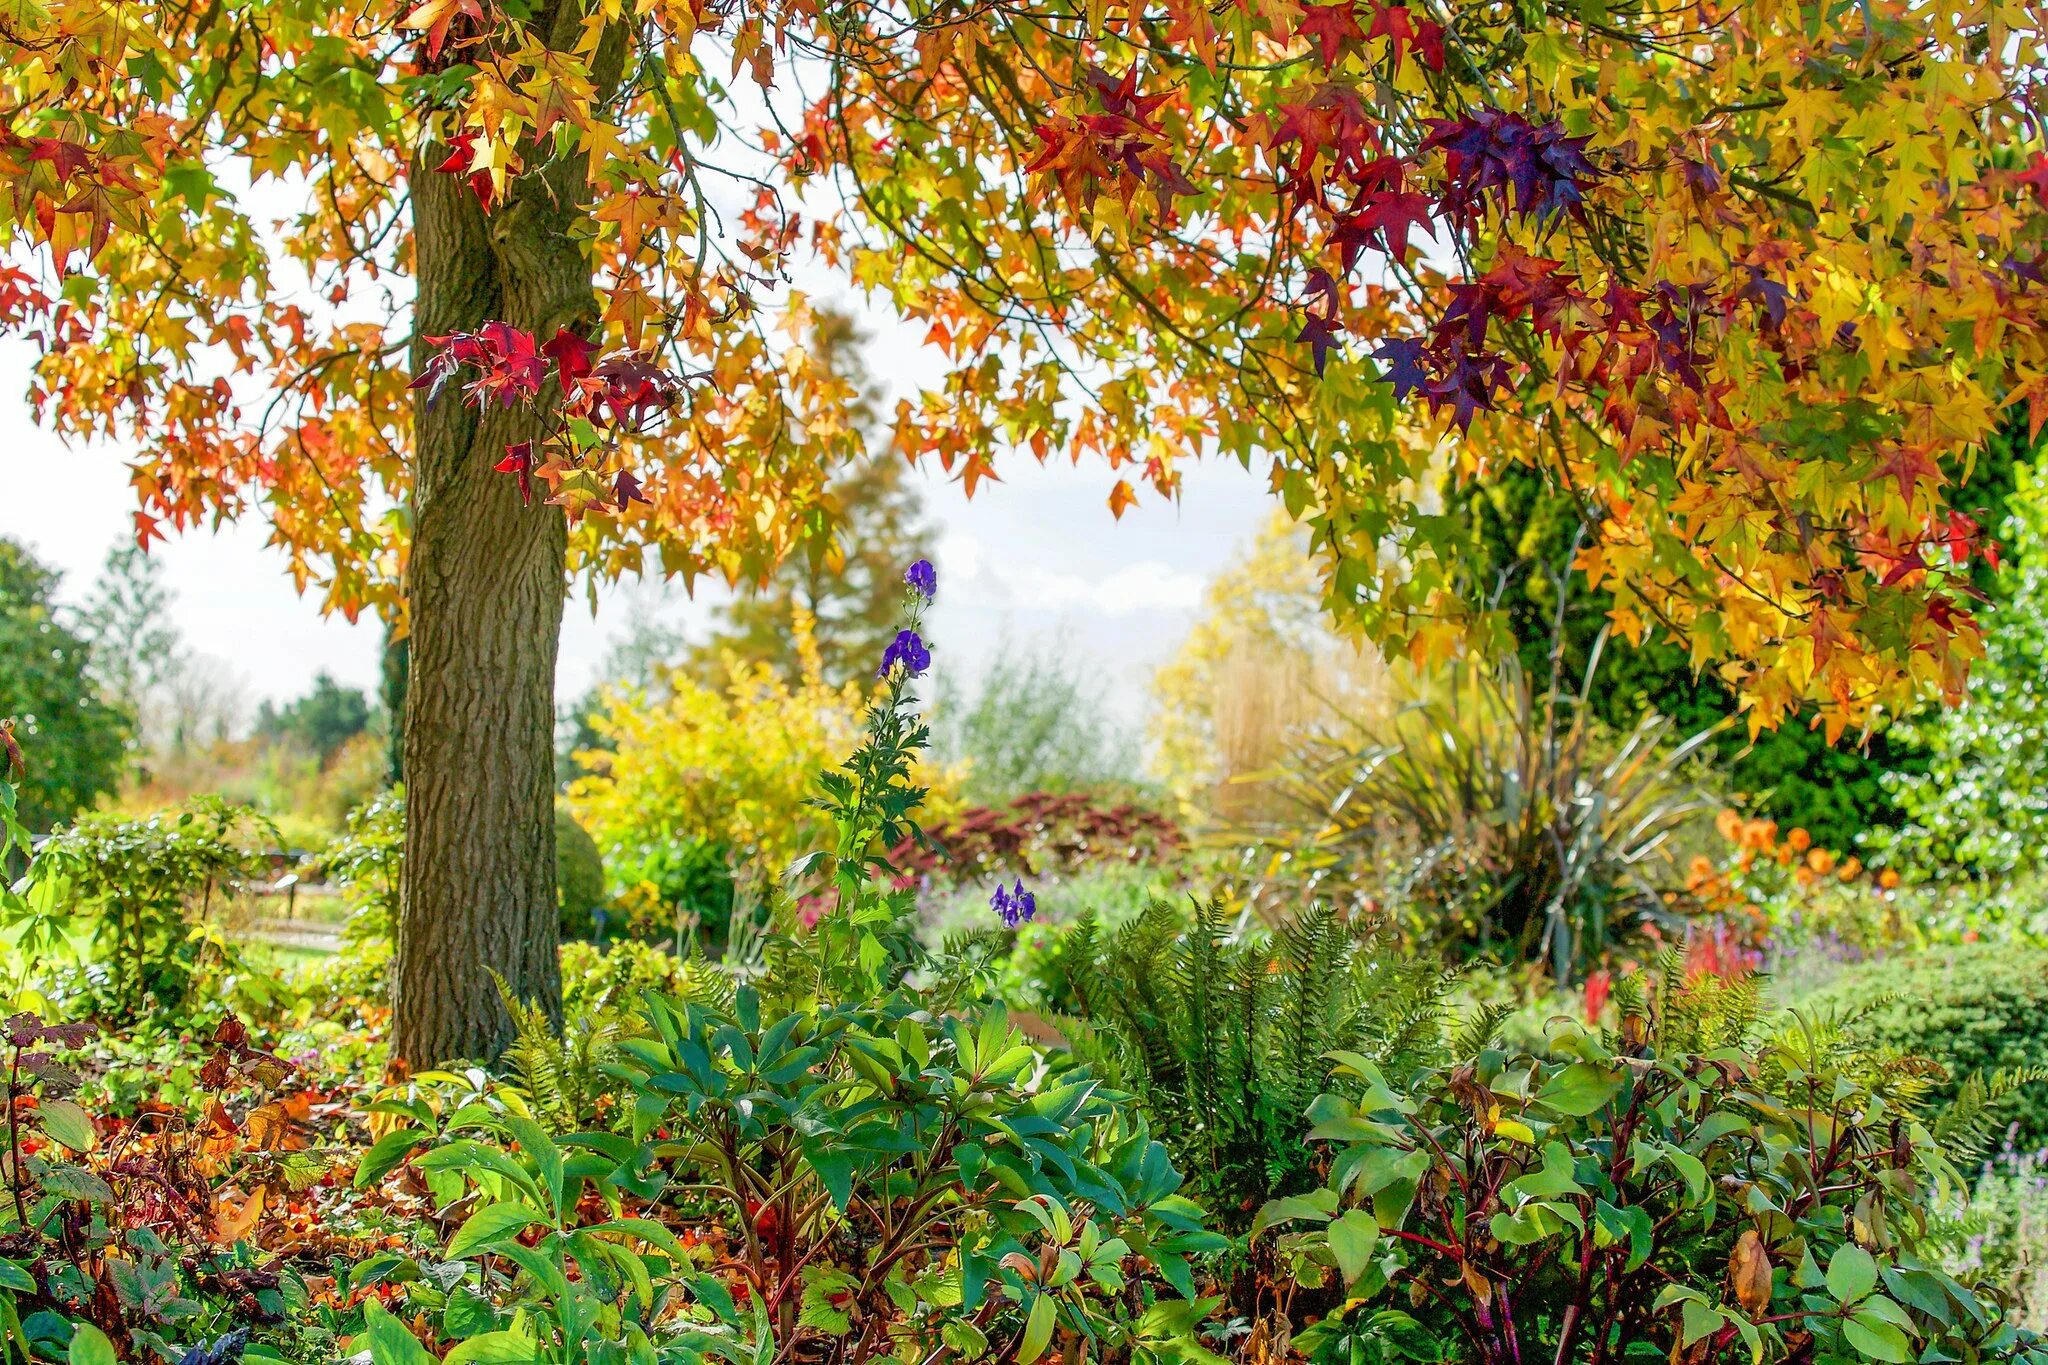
x=1800 y=840
x=1888 y=879
x=1852 y=869
x=1730 y=824
x=1821 y=861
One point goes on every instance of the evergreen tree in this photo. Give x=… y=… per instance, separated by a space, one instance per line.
x=75 y=739
x=136 y=652
x=320 y=722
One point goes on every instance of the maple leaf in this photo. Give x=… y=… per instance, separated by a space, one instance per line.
x=519 y=460
x=1330 y=27
x=1537 y=170
x=1397 y=25
x=1403 y=368
x=1322 y=335
x=2035 y=176
x=626 y=491
x=1383 y=216
x=66 y=159
x=436 y=15
x=571 y=354
x=461 y=153
x=1942 y=612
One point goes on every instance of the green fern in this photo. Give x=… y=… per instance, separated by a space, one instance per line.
x=1230 y=1027
x=561 y=1077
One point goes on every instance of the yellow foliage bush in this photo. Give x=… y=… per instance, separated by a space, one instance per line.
x=732 y=765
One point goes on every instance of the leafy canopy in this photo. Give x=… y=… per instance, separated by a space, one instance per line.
x=1752 y=283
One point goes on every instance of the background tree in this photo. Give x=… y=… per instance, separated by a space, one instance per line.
x=1977 y=803
x=127 y=616
x=75 y=738
x=1034 y=722
x=852 y=588
x=323 y=720
x=1138 y=231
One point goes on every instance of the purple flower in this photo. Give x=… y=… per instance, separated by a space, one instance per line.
x=908 y=650
x=923 y=579
x=1013 y=904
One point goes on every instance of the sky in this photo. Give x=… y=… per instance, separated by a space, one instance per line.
x=1035 y=561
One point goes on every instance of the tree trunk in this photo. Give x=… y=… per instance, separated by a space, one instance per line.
x=485 y=584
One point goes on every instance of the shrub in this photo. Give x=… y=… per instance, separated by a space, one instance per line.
x=1974 y=1010
x=1693 y=1187
x=145 y=885
x=1513 y=826
x=1039 y=833
x=726 y=769
x=883 y=1171
x=113 y=1232
x=579 y=875
x=1036 y=722
x=367 y=863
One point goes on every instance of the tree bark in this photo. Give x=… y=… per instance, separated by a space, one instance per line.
x=485 y=584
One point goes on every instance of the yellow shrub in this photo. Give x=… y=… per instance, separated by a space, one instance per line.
x=732 y=765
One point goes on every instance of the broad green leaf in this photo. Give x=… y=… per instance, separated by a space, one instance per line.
x=505 y=1348
x=1352 y=1239
x=89 y=1346
x=68 y=1124
x=385 y=1154
x=1037 y=1330
x=1872 y=1336
x=1852 y=1273
x=390 y=1342
x=1580 y=1089
x=489 y=1225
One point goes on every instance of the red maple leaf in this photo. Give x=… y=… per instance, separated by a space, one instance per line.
x=2035 y=175
x=1330 y=27
x=462 y=151
x=626 y=491
x=67 y=159
x=519 y=460
x=571 y=354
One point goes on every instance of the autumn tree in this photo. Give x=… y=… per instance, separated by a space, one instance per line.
x=850 y=584
x=1750 y=282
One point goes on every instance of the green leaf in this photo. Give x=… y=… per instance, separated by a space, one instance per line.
x=89 y=1346
x=12 y=1276
x=385 y=1154
x=67 y=1123
x=1318 y=1205
x=1872 y=1336
x=1580 y=1089
x=489 y=1225
x=1700 y=1320
x=510 y=1348
x=1037 y=1330
x=1852 y=1273
x=1352 y=1239
x=390 y=1342
x=76 y=1182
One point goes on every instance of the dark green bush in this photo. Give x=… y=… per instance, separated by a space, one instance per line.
x=1977 y=1009
x=579 y=875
